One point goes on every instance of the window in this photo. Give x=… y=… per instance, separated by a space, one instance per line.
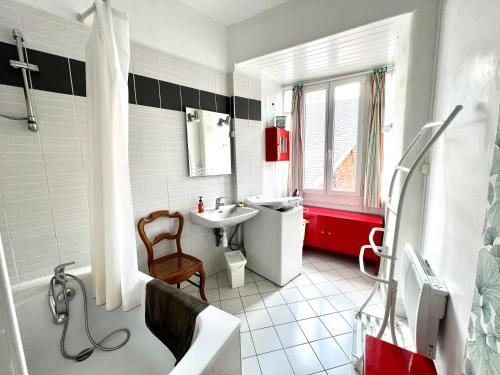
x=315 y=105
x=333 y=136
x=345 y=136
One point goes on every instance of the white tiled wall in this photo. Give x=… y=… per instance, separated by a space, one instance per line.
x=249 y=142
x=9 y=19
x=250 y=153
x=43 y=194
x=246 y=86
x=275 y=173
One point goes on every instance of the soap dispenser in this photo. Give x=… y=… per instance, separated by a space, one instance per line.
x=200 y=205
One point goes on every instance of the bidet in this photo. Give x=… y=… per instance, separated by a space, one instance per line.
x=59 y=307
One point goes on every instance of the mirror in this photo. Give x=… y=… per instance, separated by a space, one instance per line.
x=209 y=144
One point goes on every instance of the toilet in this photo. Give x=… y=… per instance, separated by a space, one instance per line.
x=235 y=266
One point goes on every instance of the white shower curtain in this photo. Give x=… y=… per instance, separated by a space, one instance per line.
x=113 y=246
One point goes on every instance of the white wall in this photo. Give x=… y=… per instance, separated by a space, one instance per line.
x=249 y=141
x=302 y=21
x=167 y=25
x=468 y=74
x=275 y=173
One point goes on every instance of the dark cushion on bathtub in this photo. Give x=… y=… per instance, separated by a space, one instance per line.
x=171 y=316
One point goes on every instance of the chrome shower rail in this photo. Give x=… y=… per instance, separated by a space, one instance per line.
x=25 y=67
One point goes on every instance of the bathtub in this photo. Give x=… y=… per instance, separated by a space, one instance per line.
x=215 y=348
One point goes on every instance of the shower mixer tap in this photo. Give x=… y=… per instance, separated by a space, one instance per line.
x=59 y=273
x=58 y=300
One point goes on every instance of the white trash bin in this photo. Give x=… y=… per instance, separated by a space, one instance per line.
x=235 y=265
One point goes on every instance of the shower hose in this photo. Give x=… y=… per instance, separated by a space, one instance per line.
x=85 y=353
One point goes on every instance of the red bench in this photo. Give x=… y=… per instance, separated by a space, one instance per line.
x=341 y=231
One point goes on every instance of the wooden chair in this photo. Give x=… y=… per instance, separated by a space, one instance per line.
x=173 y=268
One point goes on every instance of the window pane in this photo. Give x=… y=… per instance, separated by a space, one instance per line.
x=345 y=136
x=314 y=139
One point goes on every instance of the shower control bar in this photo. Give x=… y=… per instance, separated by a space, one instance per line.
x=17 y=64
x=25 y=67
x=18 y=37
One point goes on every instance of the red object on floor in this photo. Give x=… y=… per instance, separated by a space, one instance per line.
x=341 y=231
x=383 y=358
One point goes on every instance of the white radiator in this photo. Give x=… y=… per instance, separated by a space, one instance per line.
x=424 y=297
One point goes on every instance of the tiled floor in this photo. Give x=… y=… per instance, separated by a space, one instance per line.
x=303 y=327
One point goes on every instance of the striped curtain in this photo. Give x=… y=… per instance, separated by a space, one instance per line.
x=296 y=146
x=374 y=143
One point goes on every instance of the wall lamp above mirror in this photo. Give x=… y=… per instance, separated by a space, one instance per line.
x=224 y=121
x=194 y=116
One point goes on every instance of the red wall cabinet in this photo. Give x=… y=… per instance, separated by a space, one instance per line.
x=277 y=144
x=341 y=231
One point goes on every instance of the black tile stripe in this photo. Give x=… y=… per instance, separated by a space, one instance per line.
x=223 y=104
x=254 y=109
x=131 y=89
x=241 y=107
x=78 y=77
x=53 y=74
x=190 y=97
x=207 y=101
x=170 y=96
x=147 y=91
x=8 y=75
x=67 y=76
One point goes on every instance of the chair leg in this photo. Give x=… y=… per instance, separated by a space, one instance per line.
x=202 y=285
x=178 y=286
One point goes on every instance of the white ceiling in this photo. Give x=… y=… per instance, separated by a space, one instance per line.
x=229 y=12
x=351 y=51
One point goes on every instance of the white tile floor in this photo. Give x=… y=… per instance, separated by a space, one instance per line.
x=303 y=327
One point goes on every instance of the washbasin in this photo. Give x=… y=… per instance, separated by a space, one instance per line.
x=224 y=216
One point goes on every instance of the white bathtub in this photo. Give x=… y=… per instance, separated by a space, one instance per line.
x=215 y=348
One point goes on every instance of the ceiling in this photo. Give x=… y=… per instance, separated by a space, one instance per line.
x=228 y=12
x=348 y=52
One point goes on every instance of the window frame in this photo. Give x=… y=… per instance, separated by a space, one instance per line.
x=327 y=194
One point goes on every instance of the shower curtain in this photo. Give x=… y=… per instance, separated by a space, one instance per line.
x=482 y=356
x=296 y=148
x=113 y=243
x=374 y=144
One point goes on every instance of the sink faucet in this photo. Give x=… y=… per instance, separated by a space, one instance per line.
x=218 y=202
